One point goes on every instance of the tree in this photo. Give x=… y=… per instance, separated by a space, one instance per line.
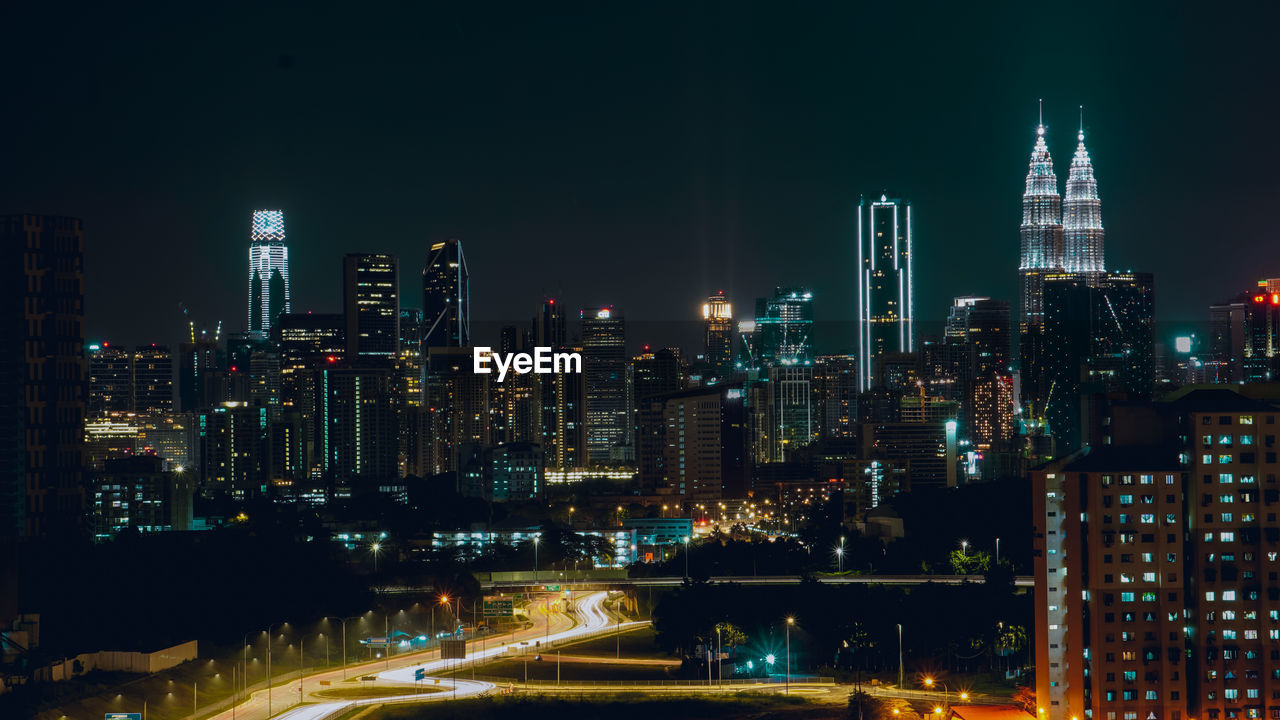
x=863 y=706
x=974 y=563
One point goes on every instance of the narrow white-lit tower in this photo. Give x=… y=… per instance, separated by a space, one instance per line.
x=268 y=270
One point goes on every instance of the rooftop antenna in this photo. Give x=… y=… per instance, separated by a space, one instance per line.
x=1081 y=123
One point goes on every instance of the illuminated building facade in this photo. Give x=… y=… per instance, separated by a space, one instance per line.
x=885 y=300
x=139 y=493
x=307 y=342
x=978 y=335
x=198 y=365
x=459 y=405
x=1082 y=233
x=152 y=379
x=608 y=396
x=268 y=270
x=371 y=304
x=356 y=416
x=782 y=333
x=564 y=432
x=717 y=316
x=1041 y=232
x=835 y=386
x=789 y=410
x=698 y=441
x=110 y=379
x=446 y=297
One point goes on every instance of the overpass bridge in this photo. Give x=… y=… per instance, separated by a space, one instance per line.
x=616 y=579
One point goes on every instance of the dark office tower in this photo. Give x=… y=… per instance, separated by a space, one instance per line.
x=1099 y=338
x=1245 y=333
x=783 y=332
x=459 y=404
x=885 y=314
x=1082 y=233
x=1041 y=232
x=110 y=379
x=549 y=326
x=655 y=372
x=45 y=378
x=835 y=387
x=411 y=354
x=268 y=270
x=604 y=367
x=717 y=315
x=978 y=331
x=152 y=379
x=446 y=297
x=371 y=303
x=198 y=361
x=233 y=442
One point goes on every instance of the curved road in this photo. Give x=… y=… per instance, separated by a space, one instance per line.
x=553 y=629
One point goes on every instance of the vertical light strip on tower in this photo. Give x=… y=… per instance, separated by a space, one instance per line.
x=268 y=269
x=1082 y=215
x=885 y=302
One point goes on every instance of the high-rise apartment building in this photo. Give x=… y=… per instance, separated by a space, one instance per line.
x=152 y=379
x=371 y=304
x=199 y=360
x=885 y=301
x=42 y=484
x=835 y=387
x=110 y=379
x=978 y=334
x=717 y=318
x=1156 y=569
x=459 y=403
x=1244 y=333
x=446 y=297
x=268 y=270
x=608 y=397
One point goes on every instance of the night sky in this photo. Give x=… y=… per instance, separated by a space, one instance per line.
x=636 y=154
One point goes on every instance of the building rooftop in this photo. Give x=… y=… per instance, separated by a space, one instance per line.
x=1124 y=458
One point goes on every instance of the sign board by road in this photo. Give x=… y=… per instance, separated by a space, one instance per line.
x=499 y=607
x=453 y=649
x=551 y=588
x=368 y=678
x=376 y=642
x=420 y=674
x=124 y=716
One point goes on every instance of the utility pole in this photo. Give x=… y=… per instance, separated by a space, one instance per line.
x=899 y=656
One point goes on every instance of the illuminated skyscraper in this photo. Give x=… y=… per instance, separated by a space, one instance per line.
x=268 y=270
x=371 y=303
x=783 y=329
x=608 y=401
x=885 y=317
x=718 y=316
x=1041 y=232
x=1082 y=233
x=446 y=297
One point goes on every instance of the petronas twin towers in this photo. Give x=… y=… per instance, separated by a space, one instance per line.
x=1058 y=234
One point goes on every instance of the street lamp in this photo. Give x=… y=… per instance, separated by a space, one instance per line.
x=343 y=623
x=375 y=548
x=964 y=548
x=686 y=557
x=535 y=559
x=269 y=627
x=929 y=682
x=840 y=558
x=790 y=621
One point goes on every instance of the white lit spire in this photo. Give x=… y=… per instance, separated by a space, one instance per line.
x=1041 y=231
x=1082 y=214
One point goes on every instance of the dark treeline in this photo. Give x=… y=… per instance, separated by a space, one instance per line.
x=971 y=627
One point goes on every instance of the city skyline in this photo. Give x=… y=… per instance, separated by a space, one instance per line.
x=745 y=164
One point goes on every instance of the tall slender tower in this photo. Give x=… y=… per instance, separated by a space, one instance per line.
x=1041 y=232
x=1082 y=233
x=717 y=318
x=446 y=297
x=268 y=270
x=885 y=301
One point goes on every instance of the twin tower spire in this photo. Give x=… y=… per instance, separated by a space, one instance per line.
x=1058 y=234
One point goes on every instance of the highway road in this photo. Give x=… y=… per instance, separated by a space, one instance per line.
x=553 y=628
x=1019 y=581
